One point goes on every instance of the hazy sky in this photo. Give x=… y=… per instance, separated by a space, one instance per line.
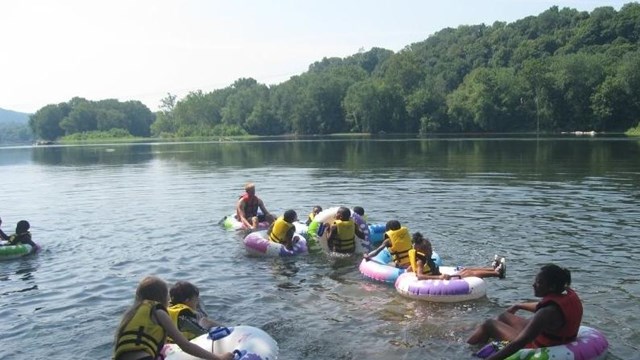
x=53 y=50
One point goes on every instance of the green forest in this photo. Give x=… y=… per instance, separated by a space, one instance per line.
x=563 y=70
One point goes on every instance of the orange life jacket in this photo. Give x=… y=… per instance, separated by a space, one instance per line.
x=571 y=308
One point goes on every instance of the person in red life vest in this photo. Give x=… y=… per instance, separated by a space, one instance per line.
x=247 y=208
x=555 y=321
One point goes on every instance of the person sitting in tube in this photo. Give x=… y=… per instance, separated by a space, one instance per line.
x=148 y=319
x=555 y=321
x=398 y=240
x=283 y=230
x=425 y=268
x=247 y=208
x=342 y=233
x=315 y=211
x=23 y=236
x=185 y=302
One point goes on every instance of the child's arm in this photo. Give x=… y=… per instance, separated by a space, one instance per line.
x=375 y=252
x=190 y=348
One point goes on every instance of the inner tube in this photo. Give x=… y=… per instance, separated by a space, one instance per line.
x=590 y=344
x=231 y=223
x=258 y=244
x=8 y=252
x=376 y=233
x=317 y=233
x=257 y=344
x=382 y=268
x=453 y=290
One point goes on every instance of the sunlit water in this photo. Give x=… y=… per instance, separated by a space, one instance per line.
x=108 y=215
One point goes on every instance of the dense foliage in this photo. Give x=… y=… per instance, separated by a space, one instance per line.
x=83 y=116
x=563 y=70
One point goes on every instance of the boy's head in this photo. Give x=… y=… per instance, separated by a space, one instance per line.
x=393 y=225
x=22 y=227
x=316 y=209
x=290 y=216
x=343 y=213
x=422 y=244
x=183 y=291
x=358 y=210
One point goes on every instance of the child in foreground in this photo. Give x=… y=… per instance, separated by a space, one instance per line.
x=148 y=319
x=185 y=301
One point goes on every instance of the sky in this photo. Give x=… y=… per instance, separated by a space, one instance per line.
x=54 y=50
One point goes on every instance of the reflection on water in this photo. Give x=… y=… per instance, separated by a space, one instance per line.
x=108 y=215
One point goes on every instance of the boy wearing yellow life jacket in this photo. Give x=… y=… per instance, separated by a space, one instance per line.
x=342 y=233
x=185 y=301
x=398 y=240
x=283 y=230
x=315 y=211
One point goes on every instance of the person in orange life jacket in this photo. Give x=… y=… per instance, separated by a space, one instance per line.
x=425 y=268
x=23 y=236
x=144 y=328
x=315 y=211
x=282 y=230
x=555 y=321
x=247 y=208
x=3 y=236
x=398 y=240
x=185 y=303
x=342 y=233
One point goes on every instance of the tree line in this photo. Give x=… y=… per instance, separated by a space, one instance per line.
x=563 y=70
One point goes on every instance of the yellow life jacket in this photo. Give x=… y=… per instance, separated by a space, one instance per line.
x=345 y=242
x=414 y=256
x=141 y=333
x=400 y=246
x=279 y=230
x=174 y=312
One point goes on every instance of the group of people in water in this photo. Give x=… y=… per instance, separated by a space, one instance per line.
x=556 y=317
x=160 y=314
x=21 y=236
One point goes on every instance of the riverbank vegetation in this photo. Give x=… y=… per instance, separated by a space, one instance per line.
x=563 y=70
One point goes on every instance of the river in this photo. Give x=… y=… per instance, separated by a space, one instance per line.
x=107 y=215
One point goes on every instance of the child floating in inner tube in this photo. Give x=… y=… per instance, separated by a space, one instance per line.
x=315 y=211
x=555 y=321
x=23 y=236
x=342 y=233
x=282 y=230
x=148 y=319
x=398 y=240
x=425 y=268
x=185 y=311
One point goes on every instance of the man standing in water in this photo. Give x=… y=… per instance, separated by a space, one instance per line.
x=247 y=209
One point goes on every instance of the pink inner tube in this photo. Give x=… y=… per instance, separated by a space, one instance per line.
x=256 y=243
x=452 y=290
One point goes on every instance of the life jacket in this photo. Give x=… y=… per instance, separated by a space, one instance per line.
x=250 y=205
x=400 y=246
x=344 y=240
x=278 y=231
x=141 y=333
x=429 y=267
x=571 y=308
x=310 y=218
x=181 y=309
x=16 y=239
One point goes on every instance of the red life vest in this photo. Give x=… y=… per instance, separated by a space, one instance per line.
x=571 y=308
x=250 y=205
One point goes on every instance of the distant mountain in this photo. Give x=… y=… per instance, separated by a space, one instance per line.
x=9 y=116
